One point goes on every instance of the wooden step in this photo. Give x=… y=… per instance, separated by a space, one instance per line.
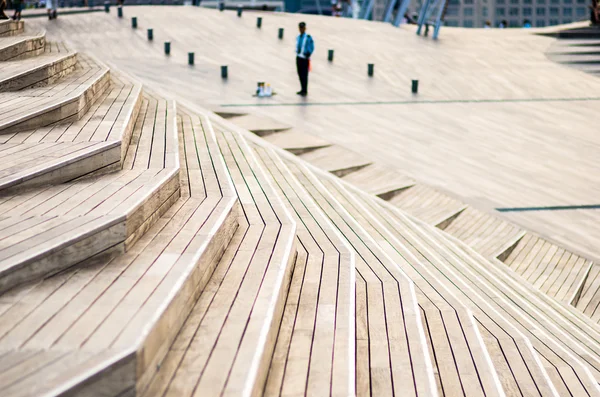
x=461 y=362
x=485 y=233
x=392 y=355
x=296 y=142
x=553 y=345
x=104 y=328
x=429 y=205
x=336 y=159
x=315 y=345
x=554 y=270
x=11 y=28
x=27 y=44
x=260 y=125
x=64 y=151
x=50 y=228
x=227 y=342
x=64 y=101
x=380 y=181
x=56 y=62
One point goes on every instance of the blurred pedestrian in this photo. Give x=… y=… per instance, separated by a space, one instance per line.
x=2 y=8
x=304 y=49
x=51 y=6
x=18 y=6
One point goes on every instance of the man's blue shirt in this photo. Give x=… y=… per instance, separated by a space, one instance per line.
x=306 y=41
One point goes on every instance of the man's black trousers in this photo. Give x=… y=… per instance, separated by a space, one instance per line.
x=302 y=66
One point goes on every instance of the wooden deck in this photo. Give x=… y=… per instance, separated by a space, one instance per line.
x=315 y=347
x=204 y=260
x=484 y=92
x=50 y=228
x=56 y=62
x=244 y=301
x=121 y=312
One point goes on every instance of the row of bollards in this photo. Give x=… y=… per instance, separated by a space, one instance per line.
x=224 y=69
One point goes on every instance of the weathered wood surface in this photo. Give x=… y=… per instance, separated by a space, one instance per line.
x=226 y=344
x=511 y=126
x=121 y=312
x=52 y=227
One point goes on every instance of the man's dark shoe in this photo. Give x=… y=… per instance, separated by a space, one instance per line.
x=302 y=93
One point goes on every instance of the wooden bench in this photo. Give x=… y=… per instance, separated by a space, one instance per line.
x=315 y=345
x=51 y=228
x=106 y=327
x=227 y=342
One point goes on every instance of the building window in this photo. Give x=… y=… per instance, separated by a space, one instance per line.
x=554 y=1
x=514 y=1
x=468 y=2
x=582 y=2
x=514 y=23
x=500 y=12
x=468 y=23
x=526 y=12
x=451 y=23
x=527 y=1
x=540 y=2
x=540 y=11
x=452 y=11
x=540 y=23
x=484 y=11
x=468 y=12
x=513 y=11
x=553 y=22
x=567 y=20
x=499 y=2
x=454 y=2
x=580 y=12
x=567 y=11
x=567 y=1
x=553 y=11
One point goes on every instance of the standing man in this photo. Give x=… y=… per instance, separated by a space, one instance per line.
x=304 y=48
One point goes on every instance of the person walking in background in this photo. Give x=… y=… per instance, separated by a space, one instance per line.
x=18 y=6
x=51 y=6
x=304 y=48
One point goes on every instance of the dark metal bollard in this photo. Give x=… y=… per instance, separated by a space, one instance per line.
x=221 y=5
x=370 y=69
x=150 y=35
x=167 y=47
x=134 y=22
x=106 y=6
x=280 y=34
x=120 y=12
x=239 y=11
x=259 y=22
x=224 y=73
x=415 y=86
x=190 y=58
x=330 y=55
